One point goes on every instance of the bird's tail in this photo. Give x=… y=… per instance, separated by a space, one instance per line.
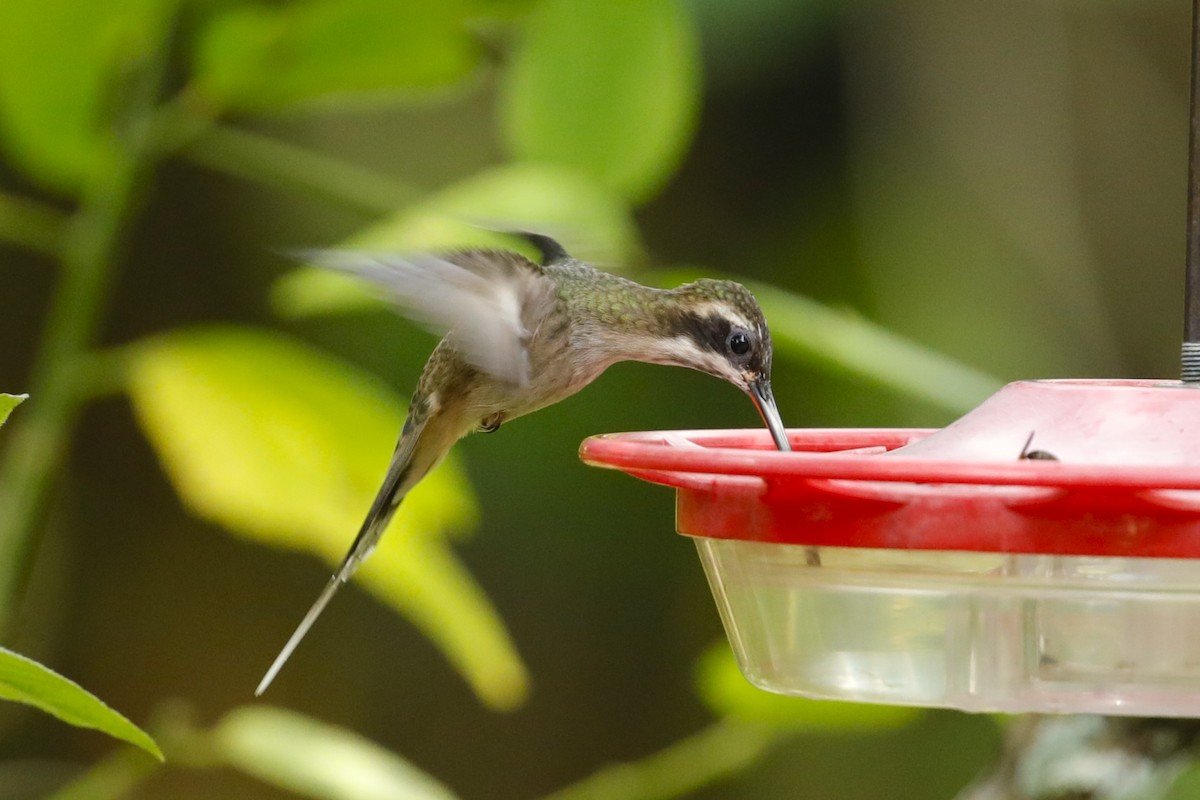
x=399 y=480
x=372 y=529
x=323 y=599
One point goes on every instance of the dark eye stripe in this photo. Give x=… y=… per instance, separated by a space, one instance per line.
x=709 y=333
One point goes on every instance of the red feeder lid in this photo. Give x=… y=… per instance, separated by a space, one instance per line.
x=1125 y=482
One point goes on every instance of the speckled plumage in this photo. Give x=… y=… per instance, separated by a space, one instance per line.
x=520 y=336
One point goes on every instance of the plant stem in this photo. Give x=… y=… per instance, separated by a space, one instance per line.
x=38 y=444
x=266 y=160
x=35 y=452
x=722 y=749
x=31 y=224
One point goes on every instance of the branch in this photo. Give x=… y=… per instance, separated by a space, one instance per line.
x=266 y=160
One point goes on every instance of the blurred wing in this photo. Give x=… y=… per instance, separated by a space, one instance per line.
x=485 y=300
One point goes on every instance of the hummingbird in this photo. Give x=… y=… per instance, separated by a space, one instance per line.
x=518 y=336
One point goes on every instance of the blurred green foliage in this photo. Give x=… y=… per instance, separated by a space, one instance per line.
x=317 y=760
x=63 y=63
x=922 y=197
x=1185 y=786
x=256 y=57
x=628 y=129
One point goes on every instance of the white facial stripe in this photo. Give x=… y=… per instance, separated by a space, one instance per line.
x=718 y=309
x=683 y=351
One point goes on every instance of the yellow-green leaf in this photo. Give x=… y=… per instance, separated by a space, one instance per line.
x=317 y=760
x=608 y=87
x=286 y=446
x=592 y=222
x=273 y=56
x=727 y=692
x=26 y=681
x=8 y=402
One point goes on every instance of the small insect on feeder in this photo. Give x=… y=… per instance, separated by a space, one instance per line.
x=1040 y=554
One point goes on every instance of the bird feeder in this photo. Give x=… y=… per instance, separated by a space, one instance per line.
x=948 y=567
x=1040 y=554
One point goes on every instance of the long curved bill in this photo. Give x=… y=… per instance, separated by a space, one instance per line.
x=764 y=401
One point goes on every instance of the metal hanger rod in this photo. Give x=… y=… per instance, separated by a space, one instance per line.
x=1191 y=322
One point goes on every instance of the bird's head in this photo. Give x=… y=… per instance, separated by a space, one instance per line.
x=717 y=327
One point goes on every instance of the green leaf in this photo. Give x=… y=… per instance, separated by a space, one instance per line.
x=611 y=88
x=58 y=62
x=286 y=446
x=26 y=681
x=593 y=223
x=313 y=759
x=256 y=57
x=727 y=692
x=8 y=402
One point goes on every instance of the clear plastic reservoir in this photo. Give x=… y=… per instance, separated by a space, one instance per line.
x=974 y=631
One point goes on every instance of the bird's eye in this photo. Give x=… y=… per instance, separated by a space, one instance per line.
x=738 y=343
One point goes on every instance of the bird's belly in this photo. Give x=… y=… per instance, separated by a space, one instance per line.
x=526 y=403
x=550 y=384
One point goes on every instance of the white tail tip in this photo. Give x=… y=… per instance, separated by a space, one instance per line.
x=306 y=623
